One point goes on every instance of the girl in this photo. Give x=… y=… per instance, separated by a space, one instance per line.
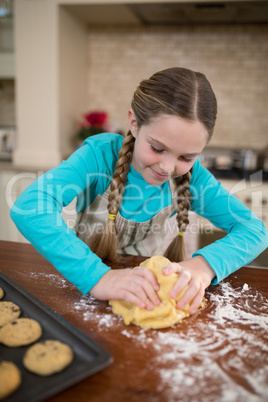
x=131 y=191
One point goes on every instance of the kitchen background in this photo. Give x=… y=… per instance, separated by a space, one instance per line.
x=232 y=52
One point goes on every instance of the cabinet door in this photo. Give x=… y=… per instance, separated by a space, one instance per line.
x=12 y=184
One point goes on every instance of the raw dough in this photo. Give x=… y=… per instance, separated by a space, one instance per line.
x=48 y=357
x=1 y=293
x=10 y=378
x=8 y=312
x=162 y=316
x=19 y=332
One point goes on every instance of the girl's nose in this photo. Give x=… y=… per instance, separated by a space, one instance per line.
x=167 y=165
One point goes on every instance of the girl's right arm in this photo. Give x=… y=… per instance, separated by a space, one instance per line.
x=37 y=215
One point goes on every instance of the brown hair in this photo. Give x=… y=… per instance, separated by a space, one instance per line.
x=174 y=91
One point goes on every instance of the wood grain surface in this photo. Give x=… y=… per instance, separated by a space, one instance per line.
x=219 y=354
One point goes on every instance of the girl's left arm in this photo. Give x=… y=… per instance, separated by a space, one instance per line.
x=246 y=238
x=246 y=235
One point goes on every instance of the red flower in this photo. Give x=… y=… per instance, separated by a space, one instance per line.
x=96 y=119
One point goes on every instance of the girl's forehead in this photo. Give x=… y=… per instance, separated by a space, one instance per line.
x=175 y=133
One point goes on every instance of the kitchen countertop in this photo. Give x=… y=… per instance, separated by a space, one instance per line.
x=239 y=174
x=9 y=165
x=220 y=353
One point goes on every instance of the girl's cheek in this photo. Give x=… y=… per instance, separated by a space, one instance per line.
x=183 y=168
x=180 y=171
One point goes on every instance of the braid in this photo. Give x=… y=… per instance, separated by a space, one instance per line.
x=176 y=250
x=104 y=244
x=120 y=174
x=183 y=200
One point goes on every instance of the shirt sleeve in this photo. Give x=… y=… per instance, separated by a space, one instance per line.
x=37 y=215
x=247 y=236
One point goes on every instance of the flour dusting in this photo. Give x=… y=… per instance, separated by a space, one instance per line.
x=89 y=307
x=231 y=360
x=57 y=280
x=225 y=352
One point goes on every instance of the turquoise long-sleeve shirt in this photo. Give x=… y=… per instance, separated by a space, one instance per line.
x=88 y=172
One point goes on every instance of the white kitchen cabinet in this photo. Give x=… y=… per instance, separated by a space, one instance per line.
x=7 y=55
x=11 y=185
x=253 y=193
x=7 y=65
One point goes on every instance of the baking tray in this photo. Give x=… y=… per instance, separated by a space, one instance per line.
x=89 y=357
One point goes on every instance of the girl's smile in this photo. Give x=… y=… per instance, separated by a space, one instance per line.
x=159 y=176
x=167 y=147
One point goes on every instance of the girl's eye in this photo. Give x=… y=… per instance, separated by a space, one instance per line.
x=188 y=160
x=156 y=149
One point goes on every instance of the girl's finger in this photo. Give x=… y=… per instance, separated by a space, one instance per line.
x=197 y=301
x=174 y=267
x=181 y=283
x=135 y=294
x=146 y=289
x=148 y=275
x=190 y=294
x=133 y=299
x=150 y=293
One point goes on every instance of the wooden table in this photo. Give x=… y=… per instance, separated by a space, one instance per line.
x=220 y=354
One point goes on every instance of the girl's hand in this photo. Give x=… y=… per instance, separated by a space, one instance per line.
x=197 y=274
x=137 y=286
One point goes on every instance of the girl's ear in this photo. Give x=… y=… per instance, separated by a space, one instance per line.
x=132 y=123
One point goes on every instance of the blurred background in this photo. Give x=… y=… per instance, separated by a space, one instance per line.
x=62 y=59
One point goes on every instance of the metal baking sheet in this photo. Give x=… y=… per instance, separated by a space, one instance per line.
x=89 y=357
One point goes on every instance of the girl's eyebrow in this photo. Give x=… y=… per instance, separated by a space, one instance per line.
x=159 y=143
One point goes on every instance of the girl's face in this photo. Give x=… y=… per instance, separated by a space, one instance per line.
x=167 y=147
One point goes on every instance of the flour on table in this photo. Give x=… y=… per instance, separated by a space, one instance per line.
x=89 y=306
x=245 y=286
x=218 y=363
x=58 y=280
x=186 y=361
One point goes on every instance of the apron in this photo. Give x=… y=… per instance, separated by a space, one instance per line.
x=147 y=238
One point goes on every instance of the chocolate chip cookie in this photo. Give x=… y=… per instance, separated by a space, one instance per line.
x=22 y=331
x=48 y=357
x=10 y=378
x=8 y=312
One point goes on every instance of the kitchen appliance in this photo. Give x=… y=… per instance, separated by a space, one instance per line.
x=7 y=142
x=238 y=162
x=244 y=173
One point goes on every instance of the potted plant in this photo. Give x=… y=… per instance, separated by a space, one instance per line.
x=92 y=123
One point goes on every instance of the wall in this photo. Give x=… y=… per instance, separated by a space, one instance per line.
x=233 y=57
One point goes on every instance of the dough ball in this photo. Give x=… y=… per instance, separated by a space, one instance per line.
x=1 y=293
x=163 y=316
